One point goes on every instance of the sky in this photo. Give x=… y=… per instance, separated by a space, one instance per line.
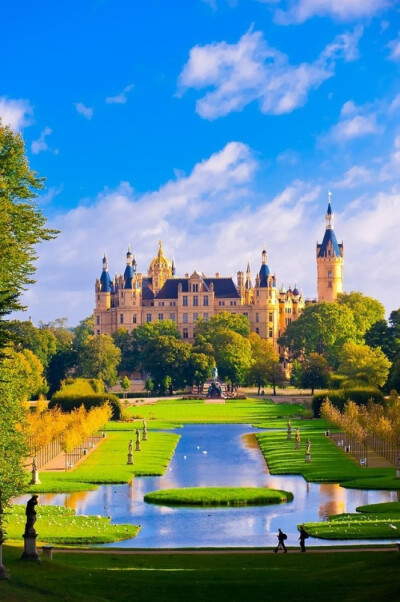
x=217 y=126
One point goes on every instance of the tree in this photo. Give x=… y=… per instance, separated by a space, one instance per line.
x=223 y=321
x=232 y=356
x=276 y=376
x=148 y=332
x=315 y=372
x=363 y=365
x=199 y=368
x=99 y=358
x=125 y=385
x=166 y=359
x=42 y=342
x=394 y=377
x=83 y=332
x=366 y=311
x=386 y=336
x=264 y=356
x=322 y=328
x=124 y=341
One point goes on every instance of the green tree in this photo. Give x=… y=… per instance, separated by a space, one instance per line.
x=264 y=356
x=276 y=376
x=315 y=372
x=124 y=341
x=232 y=356
x=41 y=341
x=363 y=365
x=199 y=368
x=366 y=311
x=166 y=358
x=125 y=385
x=148 y=332
x=99 y=358
x=296 y=374
x=223 y=321
x=322 y=328
x=83 y=332
x=386 y=335
x=394 y=377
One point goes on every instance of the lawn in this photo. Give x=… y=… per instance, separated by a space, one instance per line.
x=355 y=576
x=329 y=463
x=108 y=463
x=61 y=526
x=218 y=496
x=247 y=411
x=374 y=521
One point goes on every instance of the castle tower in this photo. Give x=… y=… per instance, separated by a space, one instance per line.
x=160 y=270
x=329 y=261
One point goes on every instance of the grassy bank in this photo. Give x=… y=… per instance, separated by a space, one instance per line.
x=59 y=525
x=108 y=463
x=329 y=463
x=218 y=496
x=251 y=411
x=352 y=576
x=374 y=521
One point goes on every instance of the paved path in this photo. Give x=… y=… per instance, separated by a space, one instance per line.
x=169 y=551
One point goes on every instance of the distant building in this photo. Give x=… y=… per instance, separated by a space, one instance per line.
x=132 y=299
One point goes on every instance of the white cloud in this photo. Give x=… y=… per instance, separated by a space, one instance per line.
x=251 y=70
x=41 y=144
x=299 y=11
x=355 y=176
x=395 y=104
x=15 y=113
x=120 y=98
x=394 y=46
x=354 y=122
x=87 y=112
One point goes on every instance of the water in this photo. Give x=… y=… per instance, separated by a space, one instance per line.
x=232 y=458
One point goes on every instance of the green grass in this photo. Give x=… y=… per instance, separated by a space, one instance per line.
x=60 y=526
x=107 y=464
x=329 y=463
x=357 y=526
x=385 y=507
x=218 y=496
x=250 y=411
x=353 y=576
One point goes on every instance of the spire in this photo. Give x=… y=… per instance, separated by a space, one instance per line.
x=329 y=214
x=105 y=279
x=129 y=256
x=129 y=270
x=173 y=269
x=264 y=270
x=264 y=255
x=248 y=276
x=105 y=262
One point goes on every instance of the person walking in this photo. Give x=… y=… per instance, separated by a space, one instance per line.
x=281 y=542
x=303 y=536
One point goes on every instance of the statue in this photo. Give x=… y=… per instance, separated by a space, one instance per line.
x=308 y=448
x=31 y=516
x=215 y=373
x=35 y=473
x=137 y=440
x=34 y=464
x=297 y=436
x=289 y=429
x=130 y=452
x=144 y=435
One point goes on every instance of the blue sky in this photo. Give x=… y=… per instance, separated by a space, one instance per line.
x=215 y=125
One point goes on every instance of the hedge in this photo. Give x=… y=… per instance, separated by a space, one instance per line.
x=338 y=397
x=68 y=402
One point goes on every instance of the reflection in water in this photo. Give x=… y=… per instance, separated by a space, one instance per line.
x=232 y=459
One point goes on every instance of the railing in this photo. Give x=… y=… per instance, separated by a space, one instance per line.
x=71 y=458
x=46 y=453
x=386 y=449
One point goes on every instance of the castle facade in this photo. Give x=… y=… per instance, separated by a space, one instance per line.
x=134 y=298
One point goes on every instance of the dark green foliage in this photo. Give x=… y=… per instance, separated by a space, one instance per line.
x=314 y=372
x=336 y=381
x=68 y=402
x=338 y=397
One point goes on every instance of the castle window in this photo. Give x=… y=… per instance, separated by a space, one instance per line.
x=195 y=300
x=205 y=300
x=221 y=302
x=97 y=320
x=246 y=314
x=270 y=332
x=98 y=332
x=172 y=303
x=205 y=316
x=98 y=297
x=161 y=304
x=258 y=293
x=121 y=319
x=185 y=333
x=195 y=316
x=161 y=317
x=172 y=317
x=134 y=318
x=329 y=273
x=257 y=317
x=195 y=288
x=184 y=300
x=148 y=317
x=270 y=317
x=329 y=284
x=233 y=303
x=185 y=318
x=257 y=331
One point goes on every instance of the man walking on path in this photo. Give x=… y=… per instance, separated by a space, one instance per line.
x=281 y=542
x=303 y=536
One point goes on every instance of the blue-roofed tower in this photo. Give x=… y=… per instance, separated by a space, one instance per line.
x=129 y=270
x=104 y=289
x=329 y=261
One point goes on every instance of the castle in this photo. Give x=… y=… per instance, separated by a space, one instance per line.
x=133 y=298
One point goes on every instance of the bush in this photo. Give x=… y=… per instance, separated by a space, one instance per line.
x=360 y=396
x=336 y=381
x=82 y=386
x=68 y=402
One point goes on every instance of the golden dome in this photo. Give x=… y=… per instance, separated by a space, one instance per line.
x=160 y=261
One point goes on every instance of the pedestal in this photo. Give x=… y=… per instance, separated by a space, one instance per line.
x=144 y=436
x=30 y=552
x=3 y=570
x=138 y=446
x=130 y=459
x=297 y=444
x=289 y=435
x=308 y=457
x=35 y=478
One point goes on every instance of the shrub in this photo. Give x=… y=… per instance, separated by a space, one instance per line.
x=68 y=402
x=82 y=386
x=336 y=381
x=360 y=396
